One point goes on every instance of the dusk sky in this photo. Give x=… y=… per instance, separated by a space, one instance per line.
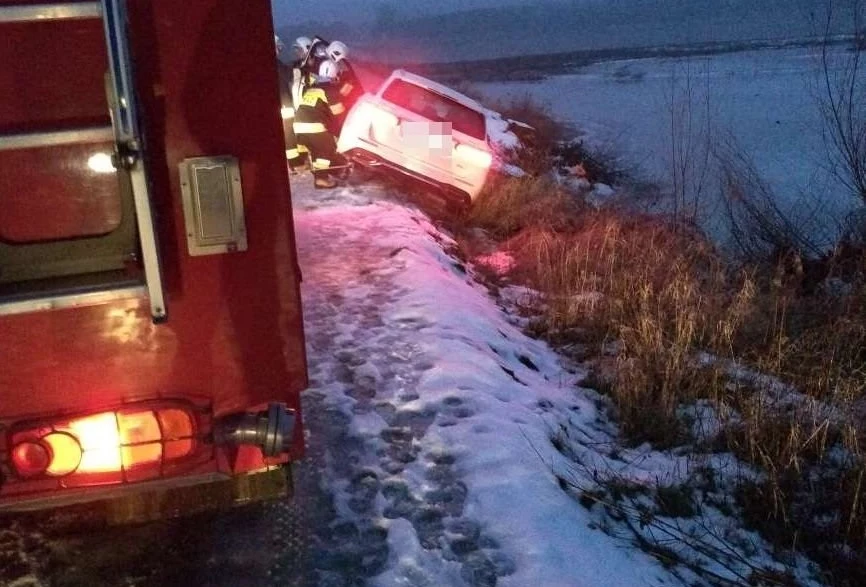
x=289 y=13
x=546 y=26
x=287 y=10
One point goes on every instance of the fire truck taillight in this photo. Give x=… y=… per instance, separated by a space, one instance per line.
x=30 y=458
x=108 y=442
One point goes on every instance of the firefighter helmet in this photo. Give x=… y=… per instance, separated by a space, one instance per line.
x=303 y=44
x=327 y=71
x=338 y=51
x=319 y=49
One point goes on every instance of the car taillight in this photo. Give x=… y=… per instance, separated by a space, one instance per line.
x=104 y=443
x=473 y=156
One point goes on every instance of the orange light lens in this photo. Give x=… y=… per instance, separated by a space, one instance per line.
x=141 y=454
x=30 y=458
x=138 y=427
x=66 y=454
x=140 y=436
x=175 y=424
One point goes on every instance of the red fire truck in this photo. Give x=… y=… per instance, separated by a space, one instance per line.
x=151 y=337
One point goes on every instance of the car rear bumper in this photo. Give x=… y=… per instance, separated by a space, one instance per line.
x=448 y=191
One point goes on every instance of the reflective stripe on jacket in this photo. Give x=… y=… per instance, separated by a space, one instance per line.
x=320 y=104
x=308 y=128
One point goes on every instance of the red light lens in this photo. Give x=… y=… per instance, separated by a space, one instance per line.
x=30 y=458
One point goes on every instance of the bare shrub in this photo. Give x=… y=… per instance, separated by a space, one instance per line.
x=689 y=148
x=663 y=295
x=842 y=100
x=758 y=227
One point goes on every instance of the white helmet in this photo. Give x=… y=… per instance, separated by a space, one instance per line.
x=320 y=49
x=304 y=44
x=327 y=71
x=279 y=44
x=338 y=51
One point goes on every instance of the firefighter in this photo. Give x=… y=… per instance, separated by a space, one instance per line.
x=347 y=81
x=300 y=68
x=317 y=53
x=288 y=76
x=316 y=125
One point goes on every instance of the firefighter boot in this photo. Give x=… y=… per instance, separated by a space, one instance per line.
x=298 y=169
x=324 y=181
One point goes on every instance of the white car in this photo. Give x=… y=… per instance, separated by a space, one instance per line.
x=425 y=130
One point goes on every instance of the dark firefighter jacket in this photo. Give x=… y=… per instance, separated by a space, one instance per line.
x=319 y=110
x=285 y=73
x=350 y=86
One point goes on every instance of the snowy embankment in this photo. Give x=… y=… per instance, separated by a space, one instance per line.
x=451 y=445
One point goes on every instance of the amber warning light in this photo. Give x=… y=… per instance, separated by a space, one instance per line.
x=108 y=442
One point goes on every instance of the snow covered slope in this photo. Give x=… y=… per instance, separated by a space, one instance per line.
x=440 y=434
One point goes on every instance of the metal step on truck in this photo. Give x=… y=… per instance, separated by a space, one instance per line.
x=151 y=336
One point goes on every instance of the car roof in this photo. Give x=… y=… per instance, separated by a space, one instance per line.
x=435 y=87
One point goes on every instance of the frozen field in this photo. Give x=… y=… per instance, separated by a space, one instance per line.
x=765 y=100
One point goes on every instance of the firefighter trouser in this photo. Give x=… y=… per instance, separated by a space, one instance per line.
x=322 y=148
x=295 y=153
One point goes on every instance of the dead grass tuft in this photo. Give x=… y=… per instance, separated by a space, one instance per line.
x=508 y=205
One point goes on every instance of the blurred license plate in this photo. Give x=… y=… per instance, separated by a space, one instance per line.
x=427 y=138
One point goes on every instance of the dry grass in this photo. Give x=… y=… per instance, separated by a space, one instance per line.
x=508 y=205
x=663 y=295
x=645 y=285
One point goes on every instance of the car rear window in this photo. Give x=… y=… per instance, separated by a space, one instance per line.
x=436 y=107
